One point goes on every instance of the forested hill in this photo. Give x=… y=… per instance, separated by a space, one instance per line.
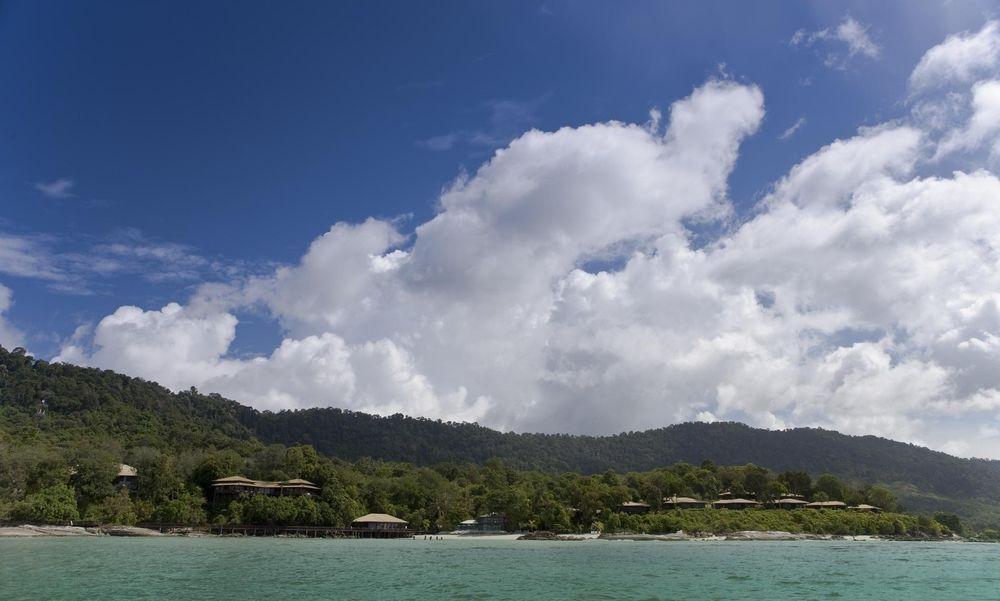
x=351 y=435
x=41 y=402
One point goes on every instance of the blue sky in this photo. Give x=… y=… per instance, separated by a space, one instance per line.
x=244 y=129
x=149 y=148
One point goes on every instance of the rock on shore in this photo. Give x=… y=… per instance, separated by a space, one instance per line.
x=30 y=531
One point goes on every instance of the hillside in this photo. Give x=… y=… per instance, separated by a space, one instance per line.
x=56 y=403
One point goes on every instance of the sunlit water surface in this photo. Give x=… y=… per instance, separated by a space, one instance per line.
x=267 y=568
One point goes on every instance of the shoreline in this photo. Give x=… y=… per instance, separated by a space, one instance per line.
x=49 y=531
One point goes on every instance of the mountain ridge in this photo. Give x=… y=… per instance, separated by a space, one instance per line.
x=53 y=401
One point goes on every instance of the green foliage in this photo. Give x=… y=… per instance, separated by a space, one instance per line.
x=185 y=508
x=114 y=509
x=831 y=487
x=55 y=417
x=950 y=521
x=834 y=522
x=53 y=505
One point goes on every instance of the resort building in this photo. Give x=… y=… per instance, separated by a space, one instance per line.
x=735 y=504
x=127 y=477
x=826 y=505
x=865 y=507
x=682 y=503
x=633 y=507
x=233 y=487
x=490 y=522
x=380 y=521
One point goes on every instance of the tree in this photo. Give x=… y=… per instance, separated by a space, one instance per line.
x=830 y=486
x=116 y=509
x=796 y=482
x=882 y=497
x=53 y=505
x=951 y=521
x=186 y=508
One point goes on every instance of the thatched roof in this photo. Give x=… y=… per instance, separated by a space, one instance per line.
x=298 y=483
x=234 y=481
x=127 y=471
x=790 y=501
x=241 y=481
x=735 y=502
x=676 y=500
x=825 y=504
x=635 y=504
x=865 y=507
x=379 y=518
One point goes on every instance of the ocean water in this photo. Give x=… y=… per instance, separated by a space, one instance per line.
x=311 y=569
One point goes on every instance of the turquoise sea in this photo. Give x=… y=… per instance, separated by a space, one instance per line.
x=109 y=569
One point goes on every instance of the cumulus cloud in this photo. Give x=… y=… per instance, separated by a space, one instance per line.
x=860 y=294
x=983 y=124
x=961 y=58
x=849 y=34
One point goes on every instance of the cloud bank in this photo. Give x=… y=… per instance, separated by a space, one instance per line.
x=560 y=288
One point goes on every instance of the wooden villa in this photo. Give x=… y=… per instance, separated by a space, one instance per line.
x=127 y=477
x=380 y=521
x=735 y=504
x=233 y=487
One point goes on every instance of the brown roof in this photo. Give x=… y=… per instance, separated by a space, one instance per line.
x=735 y=502
x=676 y=500
x=298 y=483
x=379 y=518
x=819 y=504
x=241 y=481
x=234 y=480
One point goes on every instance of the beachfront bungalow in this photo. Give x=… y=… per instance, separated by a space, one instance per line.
x=633 y=507
x=826 y=505
x=735 y=504
x=789 y=503
x=380 y=521
x=676 y=502
x=490 y=522
x=233 y=487
x=865 y=507
x=127 y=477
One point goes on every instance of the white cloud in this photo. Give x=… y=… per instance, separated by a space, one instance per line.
x=983 y=124
x=861 y=294
x=76 y=266
x=26 y=256
x=10 y=337
x=961 y=58
x=850 y=33
x=788 y=133
x=60 y=188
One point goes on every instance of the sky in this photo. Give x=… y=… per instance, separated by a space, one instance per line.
x=583 y=217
